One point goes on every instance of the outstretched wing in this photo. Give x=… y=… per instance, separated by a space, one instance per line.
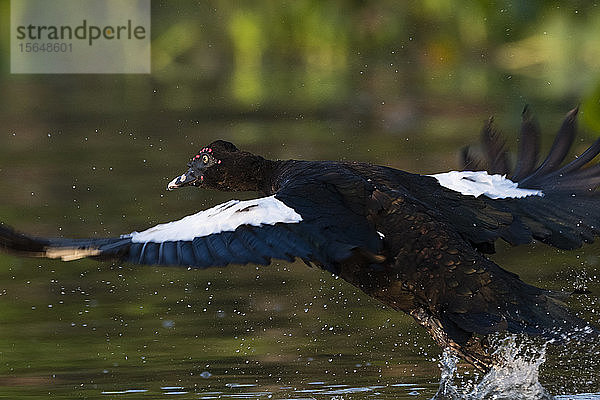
x=285 y=226
x=554 y=203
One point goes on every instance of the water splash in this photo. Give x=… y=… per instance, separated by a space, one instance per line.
x=516 y=377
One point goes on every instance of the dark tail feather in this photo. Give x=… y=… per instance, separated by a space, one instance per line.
x=549 y=176
x=580 y=161
x=494 y=149
x=558 y=151
x=573 y=177
x=587 y=172
x=528 y=146
x=65 y=249
x=469 y=163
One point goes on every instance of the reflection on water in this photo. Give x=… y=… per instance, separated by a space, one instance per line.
x=312 y=390
x=321 y=390
x=516 y=378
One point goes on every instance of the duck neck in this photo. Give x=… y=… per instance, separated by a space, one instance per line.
x=263 y=175
x=255 y=174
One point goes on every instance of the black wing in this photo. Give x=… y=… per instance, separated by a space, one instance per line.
x=320 y=228
x=565 y=216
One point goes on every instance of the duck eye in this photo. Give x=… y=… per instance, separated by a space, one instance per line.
x=205 y=159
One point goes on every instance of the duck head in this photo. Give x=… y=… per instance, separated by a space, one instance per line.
x=221 y=165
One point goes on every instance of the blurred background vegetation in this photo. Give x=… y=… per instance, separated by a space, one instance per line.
x=384 y=61
x=400 y=83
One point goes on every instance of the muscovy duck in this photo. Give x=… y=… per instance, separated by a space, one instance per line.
x=416 y=243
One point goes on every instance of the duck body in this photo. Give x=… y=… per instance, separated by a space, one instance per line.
x=421 y=254
x=417 y=243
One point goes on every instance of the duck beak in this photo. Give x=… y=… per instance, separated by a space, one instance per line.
x=189 y=178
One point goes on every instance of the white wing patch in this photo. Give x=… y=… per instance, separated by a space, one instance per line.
x=225 y=217
x=477 y=183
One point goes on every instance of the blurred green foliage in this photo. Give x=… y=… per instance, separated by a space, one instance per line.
x=375 y=59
